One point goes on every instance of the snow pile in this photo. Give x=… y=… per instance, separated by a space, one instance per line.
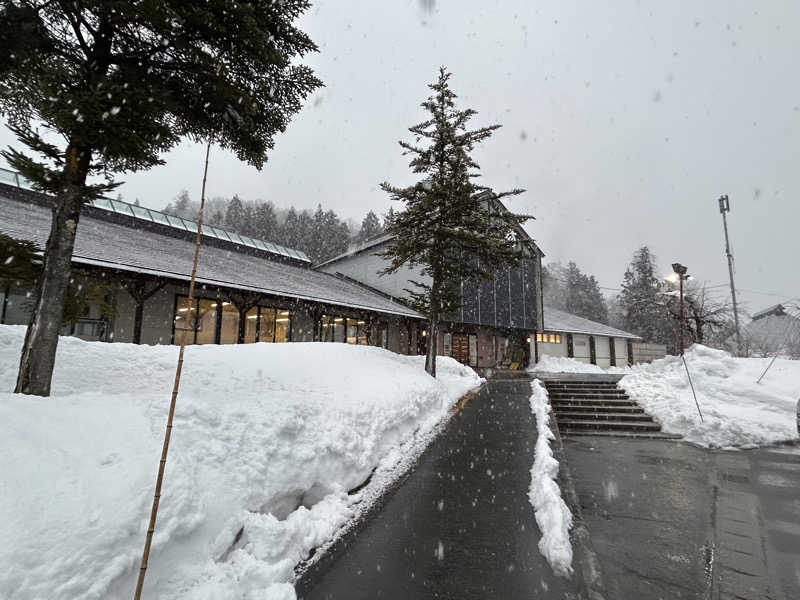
x=552 y=514
x=562 y=364
x=267 y=441
x=737 y=410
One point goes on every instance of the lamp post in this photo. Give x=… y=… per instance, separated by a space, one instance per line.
x=680 y=271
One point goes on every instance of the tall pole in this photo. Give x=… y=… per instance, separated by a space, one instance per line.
x=681 y=276
x=173 y=399
x=725 y=207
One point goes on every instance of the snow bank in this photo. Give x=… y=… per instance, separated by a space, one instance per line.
x=562 y=364
x=737 y=410
x=268 y=439
x=552 y=514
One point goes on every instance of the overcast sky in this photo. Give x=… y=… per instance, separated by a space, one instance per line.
x=623 y=124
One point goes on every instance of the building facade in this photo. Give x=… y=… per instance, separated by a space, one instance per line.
x=247 y=290
x=570 y=336
x=497 y=318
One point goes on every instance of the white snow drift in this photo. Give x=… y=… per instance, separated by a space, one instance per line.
x=552 y=514
x=737 y=411
x=268 y=438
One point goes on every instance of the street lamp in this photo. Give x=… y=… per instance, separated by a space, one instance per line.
x=680 y=271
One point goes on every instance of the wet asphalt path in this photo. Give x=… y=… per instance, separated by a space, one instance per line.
x=671 y=520
x=460 y=526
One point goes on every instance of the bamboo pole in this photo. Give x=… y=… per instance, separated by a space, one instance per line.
x=176 y=385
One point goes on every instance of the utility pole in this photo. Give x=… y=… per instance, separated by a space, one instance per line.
x=680 y=271
x=725 y=207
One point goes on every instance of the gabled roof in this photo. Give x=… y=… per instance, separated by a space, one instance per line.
x=776 y=310
x=122 y=247
x=564 y=322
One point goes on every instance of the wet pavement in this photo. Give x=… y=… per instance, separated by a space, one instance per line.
x=671 y=520
x=460 y=525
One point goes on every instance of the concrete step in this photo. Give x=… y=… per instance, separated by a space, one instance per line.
x=591 y=408
x=649 y=435
x=604 y=416
x=592 y=401
x=593 y=424
x=609 y=396
x=570 y=388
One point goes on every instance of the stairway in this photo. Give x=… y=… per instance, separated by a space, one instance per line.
x=596 y=406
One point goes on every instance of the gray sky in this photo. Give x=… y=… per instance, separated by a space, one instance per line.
x=624 y=124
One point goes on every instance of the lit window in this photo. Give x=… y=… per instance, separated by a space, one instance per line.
x=538 y=337
x=552 y=338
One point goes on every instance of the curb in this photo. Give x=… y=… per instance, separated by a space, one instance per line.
x=591 y=571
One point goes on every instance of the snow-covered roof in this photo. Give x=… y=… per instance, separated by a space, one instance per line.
x=772 y=331
x=124 y=247
x=373 y=243
x=776 y=310
x=558 y=320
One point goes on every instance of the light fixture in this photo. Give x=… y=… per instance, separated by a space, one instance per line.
x=528 y=339
x=424 y=332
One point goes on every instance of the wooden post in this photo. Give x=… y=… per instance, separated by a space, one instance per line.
x=173 y=400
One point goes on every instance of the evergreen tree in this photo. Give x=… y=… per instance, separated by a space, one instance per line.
x=554 y=288
x=452 y=229
x=181 y=206
x=370 y=228
x=121 y=83
x=235 y=215
x=387 y=218
x=289 y=235
x=583 y=297
x=642 y=301
x=266 y=222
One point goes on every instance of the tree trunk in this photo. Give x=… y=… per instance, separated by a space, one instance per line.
x=41 y=339
x=138 y=318
x=433 y=326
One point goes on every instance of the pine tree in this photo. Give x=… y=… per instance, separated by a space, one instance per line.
x=235 y=215
x=582 y=295
x=387 y=218
x=289 y=235
x=181 y=206
x=452 y=229
x=370 y=228
x=121 y=83
x=266 y=222
x=642 y=301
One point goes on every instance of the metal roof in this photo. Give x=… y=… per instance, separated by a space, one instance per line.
x=560 y=321
x=116 y=246
x=154 y=216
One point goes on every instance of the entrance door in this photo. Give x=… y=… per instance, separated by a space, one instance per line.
x=460 y=348
x=612 y=351
x=570 y=346
x=592 y=351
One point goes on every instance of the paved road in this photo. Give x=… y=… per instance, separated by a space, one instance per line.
x=461 y=525
x=670 y=520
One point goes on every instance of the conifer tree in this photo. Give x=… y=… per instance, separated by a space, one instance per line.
x=642 y=301
x=370 y=227
x=118 y=83
x=235 y=215
x=451 y=229
x=266 y=222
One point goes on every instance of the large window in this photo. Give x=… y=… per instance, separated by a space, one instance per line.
x=341 y=329
x=548 y=338
x=214 y=322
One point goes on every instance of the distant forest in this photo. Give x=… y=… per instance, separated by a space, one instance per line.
x=320 y=234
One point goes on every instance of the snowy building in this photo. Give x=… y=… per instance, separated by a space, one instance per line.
x=497 y=318
x=247 y=290
x=772 y=330
x=570 y=336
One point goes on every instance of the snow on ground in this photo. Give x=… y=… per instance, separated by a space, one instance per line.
x=737 y=410
x=552 y=514
x=268 y=438
x=562 y=364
